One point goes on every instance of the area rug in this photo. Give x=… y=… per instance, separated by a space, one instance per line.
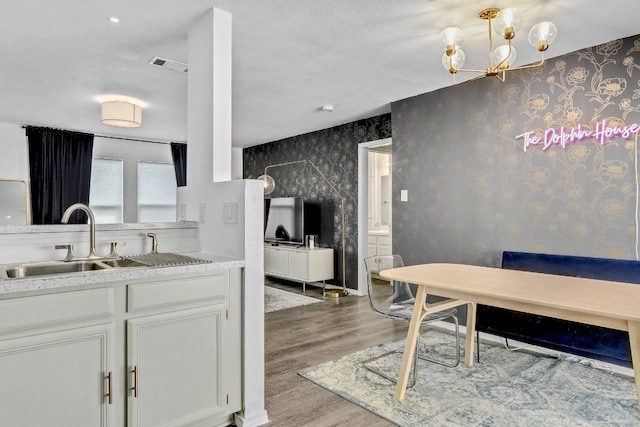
x=277 y=299
x=506 y=388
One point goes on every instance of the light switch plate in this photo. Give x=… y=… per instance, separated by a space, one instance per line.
x=230 y=212
x=404 y=195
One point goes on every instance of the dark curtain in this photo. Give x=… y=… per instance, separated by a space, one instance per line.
x=60 y=173
x=179 y=155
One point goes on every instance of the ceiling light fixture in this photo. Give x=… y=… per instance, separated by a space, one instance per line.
x=507 y=22
x=114 y=19
x=121 y=114
x=327 y=108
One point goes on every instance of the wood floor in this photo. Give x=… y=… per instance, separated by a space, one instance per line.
x=309 y=335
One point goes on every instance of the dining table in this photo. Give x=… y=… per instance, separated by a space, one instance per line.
x=603 y=303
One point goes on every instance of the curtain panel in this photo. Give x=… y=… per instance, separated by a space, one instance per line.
x=60 y=173
x=179 y=156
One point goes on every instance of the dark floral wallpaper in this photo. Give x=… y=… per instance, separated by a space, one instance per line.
x=473 y=189
x=335 y=152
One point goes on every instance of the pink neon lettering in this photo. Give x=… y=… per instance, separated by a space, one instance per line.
x=564 y=137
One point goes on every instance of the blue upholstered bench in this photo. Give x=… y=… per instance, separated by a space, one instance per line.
x=589 y=341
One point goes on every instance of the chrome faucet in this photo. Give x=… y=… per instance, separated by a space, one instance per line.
x=92 y=225
x=154 y=242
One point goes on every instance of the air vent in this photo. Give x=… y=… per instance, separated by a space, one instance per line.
x=169 y=64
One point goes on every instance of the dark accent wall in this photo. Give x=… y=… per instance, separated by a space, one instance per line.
x=474 y=192
x=335 y=152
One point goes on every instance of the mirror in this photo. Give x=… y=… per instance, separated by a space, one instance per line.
x=380 y=187
x=14 y=202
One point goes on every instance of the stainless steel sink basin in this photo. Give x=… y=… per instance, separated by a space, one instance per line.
x=21 y=271
x=43 y=269
x=123 y=262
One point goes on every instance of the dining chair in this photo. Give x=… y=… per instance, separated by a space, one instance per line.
x=394 y=300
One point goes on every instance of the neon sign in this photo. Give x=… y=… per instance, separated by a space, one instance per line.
x=564 y=136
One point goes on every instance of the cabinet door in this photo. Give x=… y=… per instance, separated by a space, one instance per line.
x=383 y=245
x=58 y=378
x=175 y=367
x=278 y=262
x=299 y=265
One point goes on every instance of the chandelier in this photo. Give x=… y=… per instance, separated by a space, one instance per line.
x=505 y=22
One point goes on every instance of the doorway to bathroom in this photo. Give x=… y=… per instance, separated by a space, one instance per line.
x=374 y=203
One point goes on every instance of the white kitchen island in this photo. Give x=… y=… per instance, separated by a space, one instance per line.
x=127 y=346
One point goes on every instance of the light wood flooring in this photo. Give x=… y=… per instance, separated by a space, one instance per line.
x=312 y=334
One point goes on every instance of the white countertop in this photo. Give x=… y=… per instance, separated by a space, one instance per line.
x=378 y=232
x=36 y=283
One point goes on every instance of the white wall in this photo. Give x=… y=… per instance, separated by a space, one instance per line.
x=13 y=152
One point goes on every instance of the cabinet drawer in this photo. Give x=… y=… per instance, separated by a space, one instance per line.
x=384 y=240
x=210 y=289
x=52 y=309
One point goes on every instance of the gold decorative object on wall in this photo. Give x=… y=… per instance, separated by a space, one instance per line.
x=505 y=22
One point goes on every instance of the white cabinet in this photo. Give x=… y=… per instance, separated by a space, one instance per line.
x=174 y=359
x=379 y=244
x=299 y=264
x=141 y=353
x=58 y=378
x=178 y=359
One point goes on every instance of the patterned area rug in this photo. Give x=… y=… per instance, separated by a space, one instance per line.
x=277 y=299
x=505 y=389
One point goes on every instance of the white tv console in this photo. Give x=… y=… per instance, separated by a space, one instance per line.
x=299 y=264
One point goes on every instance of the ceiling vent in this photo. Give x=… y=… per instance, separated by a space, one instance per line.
x=169 y=64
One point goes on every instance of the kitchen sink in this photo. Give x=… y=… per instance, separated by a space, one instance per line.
x=49 y=268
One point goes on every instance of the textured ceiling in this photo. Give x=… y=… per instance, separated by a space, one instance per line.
x=290 y=57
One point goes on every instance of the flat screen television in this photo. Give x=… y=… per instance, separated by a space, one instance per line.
x=284 y=220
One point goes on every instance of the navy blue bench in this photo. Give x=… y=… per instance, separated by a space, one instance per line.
x=594 y=342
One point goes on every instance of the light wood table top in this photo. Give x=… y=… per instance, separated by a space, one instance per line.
x=598 y=302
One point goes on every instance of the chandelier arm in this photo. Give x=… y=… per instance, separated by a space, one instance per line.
x=469 y=70
x=491 y=44
x=524 y=67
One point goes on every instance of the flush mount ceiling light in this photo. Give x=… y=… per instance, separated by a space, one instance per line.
x=121 y=114
x=506 y=22
x=327 y=108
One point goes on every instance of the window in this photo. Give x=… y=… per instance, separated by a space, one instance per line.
x=157 y=192
x=106 y=197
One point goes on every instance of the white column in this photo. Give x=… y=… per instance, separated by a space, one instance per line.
x=209 y=185
x=209 y=99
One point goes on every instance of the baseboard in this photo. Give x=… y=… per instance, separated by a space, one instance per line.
x=256 y=418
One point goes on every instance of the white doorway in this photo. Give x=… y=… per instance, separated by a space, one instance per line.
x=374 y=203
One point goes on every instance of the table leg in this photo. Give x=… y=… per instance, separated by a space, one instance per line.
x=410 y=345
x=471 y=332
x=634 y=341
